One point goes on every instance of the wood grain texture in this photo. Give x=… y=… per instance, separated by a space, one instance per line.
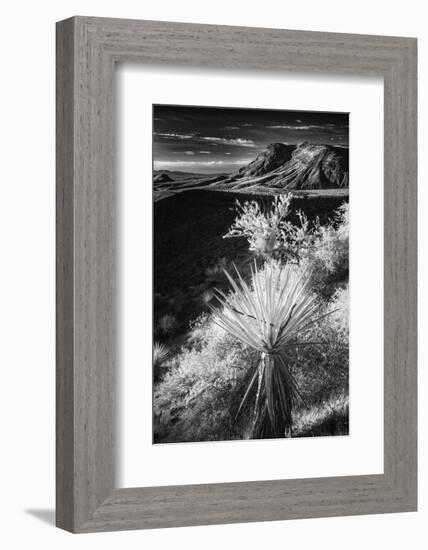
x=87 y=49
x=64 y=277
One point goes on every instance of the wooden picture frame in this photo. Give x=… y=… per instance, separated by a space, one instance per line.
x=87 y=50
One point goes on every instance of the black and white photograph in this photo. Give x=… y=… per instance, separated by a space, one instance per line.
x=250 y=274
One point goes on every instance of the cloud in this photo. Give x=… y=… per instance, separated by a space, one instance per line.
x=232 y=128
x=205 y=152
x=211 y=139
x=293 y=127
x=329 y=125
x=174 y=136
x=341 y=126
x=235 y=142
x=163 y=164
x=189 y=152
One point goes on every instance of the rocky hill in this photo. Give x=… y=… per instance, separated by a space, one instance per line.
x=275 y=155
x=292 y=167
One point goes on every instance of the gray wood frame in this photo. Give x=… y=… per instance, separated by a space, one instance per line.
x=87 y=50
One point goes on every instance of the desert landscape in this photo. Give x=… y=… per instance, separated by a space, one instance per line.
x=267 y=238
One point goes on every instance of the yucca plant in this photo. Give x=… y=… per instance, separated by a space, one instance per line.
x=160 y=353
x=268 y=315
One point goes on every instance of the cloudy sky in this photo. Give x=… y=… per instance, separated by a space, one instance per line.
x=213 y=140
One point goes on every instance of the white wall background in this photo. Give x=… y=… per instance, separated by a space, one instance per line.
x=27 y=271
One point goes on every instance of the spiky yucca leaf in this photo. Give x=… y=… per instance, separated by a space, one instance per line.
x=160 y=353
x=266 y=316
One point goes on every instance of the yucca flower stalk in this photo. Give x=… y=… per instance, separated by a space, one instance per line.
x=268 y=315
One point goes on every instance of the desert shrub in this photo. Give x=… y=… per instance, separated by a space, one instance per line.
x=323 y=248
x=167 y=325
x=206 y=296
x=321 y=370
x=199 y=395
x=268 y=232
x=177 y=302
x=328 y=253
x=328 y=418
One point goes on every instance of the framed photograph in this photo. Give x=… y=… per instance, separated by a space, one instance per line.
x=236 y=274
x=268 y=193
